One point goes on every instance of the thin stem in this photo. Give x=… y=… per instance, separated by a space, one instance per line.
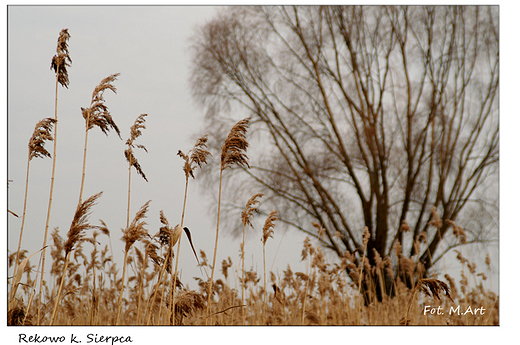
x=21 y=229
x=410 y=302
x=29 y=302
x=129 y=182
x=65 y=266
x=159 y=280
x=304 y=300
x=174 y=280
x=50 y=200
x=265 y=288
x=215 y=251
x=139 y=296
x=243 y=272
x=361 y=271
x=84 y=160
x=120 y=301
x=94 y=304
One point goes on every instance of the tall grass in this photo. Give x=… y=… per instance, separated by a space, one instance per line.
x=169 y=238
x=134 y=232
x=233 y=152
x=135 y=132
x=193 y=159
x=41 y=134
x=76 y=234
x=267 y=232
x=97 y=115
x=59 y=63
x=322 y=295
x=247 y=215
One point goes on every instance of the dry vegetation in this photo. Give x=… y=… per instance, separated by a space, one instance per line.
x=323 y=295
x=85 y=286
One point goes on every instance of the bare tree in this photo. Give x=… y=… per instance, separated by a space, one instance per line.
x=385 y=117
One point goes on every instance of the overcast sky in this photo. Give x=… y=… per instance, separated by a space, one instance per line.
x=148 y=45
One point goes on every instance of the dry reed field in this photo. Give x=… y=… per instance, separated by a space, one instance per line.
x=81 y=284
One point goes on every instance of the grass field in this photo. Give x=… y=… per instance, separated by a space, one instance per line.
x=323 y=295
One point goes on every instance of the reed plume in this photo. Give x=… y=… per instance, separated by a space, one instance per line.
x=267 y=232
x=94 y=265
x=150 y=249
x=195 y=157
x=167 y=237
x=235 y=146
x=247 y=214
x=135 y=132
x=366 y=238
x=59 y=63
x=134 y=232
x=76 y=234
x=41 y=134
x=62 y=59
x=432 y=288
x=233 y=152
x=98 y=115
x=17 y=277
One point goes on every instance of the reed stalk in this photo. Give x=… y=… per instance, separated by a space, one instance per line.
x=59 y=64
x=75 y=235
x=170 y=237
x=195 y=157
x=247 y=214
x=135 y=132
x=97 y=115
x=42 y=133
x=233 y=152
x=267 y=232
x=134 y=232
x=432 y=288
x=366 y=238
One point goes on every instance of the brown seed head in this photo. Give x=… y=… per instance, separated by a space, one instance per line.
x=189 y=301
x=366 y=236
x=404 y=226
x=42 y=132
x=97 y=114
x=136 y=230
x=165 y=233
x=436 y=219
x=423 y=237
x=459 y=233
x=433 y=288
x=135 y=132
x=80 y=223
x=151 y=250
x=398 y=248
x=269 y=225
x=235 y=146
x=62 y=59
x=320 y=229
x=251 y=208
x=225 y=265
x=196 y=157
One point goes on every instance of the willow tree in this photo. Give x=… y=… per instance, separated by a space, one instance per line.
x=376 y=116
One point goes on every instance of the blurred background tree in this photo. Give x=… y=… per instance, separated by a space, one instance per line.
x=377 y=116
